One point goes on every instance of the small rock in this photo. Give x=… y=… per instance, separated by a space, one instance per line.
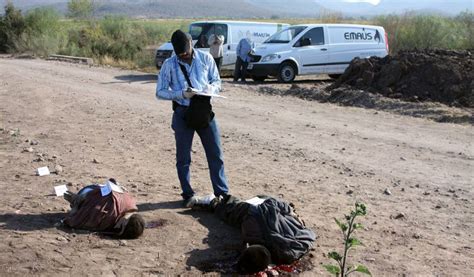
x=95 y=161
x=58 y=169
x=122 y=243
x=451 y=190
x=387 y=192
x=426 y=193
x=34 y=142
x=400 y=216
x=403 y=159
x=349 y=192
x=61 y=239
x=438 y=207
x=29 y=149
x=17 y=176
x=39 y=159
x=416 y=236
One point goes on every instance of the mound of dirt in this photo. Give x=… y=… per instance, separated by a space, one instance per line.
x=348 y=96
x=428 y=75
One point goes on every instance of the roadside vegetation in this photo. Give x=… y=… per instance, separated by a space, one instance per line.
x=130 y=43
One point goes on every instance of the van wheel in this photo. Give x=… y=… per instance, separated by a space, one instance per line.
x=286 y=73
x=334 y=76
x=259 y=78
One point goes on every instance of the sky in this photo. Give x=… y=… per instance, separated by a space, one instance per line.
x=373 y=2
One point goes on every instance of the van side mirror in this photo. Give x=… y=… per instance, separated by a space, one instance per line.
x=305 y=41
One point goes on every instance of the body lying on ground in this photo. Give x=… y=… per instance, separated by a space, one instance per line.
x=270 y=227
x=104 y=208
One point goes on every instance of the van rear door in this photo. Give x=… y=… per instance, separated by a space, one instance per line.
x=311 y=51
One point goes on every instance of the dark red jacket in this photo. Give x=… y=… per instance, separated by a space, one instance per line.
x=100 y=213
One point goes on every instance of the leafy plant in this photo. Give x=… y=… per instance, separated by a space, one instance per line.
x=80 y=8
x=342 y=269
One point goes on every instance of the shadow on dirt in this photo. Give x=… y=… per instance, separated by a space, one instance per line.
x=144 y=207
x=135 y=78
x=224 y=245
x=30 y=222
x=275 y=82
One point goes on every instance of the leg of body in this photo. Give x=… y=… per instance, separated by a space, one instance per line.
x=231 y=210
x=210 y=138
x=184 y=140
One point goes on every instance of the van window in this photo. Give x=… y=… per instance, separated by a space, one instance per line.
x=286 y=35
x=202 y=31
x=316 y=35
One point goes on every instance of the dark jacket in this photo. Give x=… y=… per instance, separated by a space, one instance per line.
x=272 y=224
x=286 y=237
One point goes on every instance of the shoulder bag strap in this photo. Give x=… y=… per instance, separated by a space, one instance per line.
x=185 y=73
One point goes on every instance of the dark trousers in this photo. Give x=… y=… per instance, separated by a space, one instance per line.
x=210 y=138
x=240 y=70
x=232 y=210
x=218 y=64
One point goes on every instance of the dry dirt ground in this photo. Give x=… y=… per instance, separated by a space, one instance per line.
x=100 y=122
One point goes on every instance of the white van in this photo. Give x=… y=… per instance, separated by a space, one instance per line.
x=316 y=48
x=233 y=32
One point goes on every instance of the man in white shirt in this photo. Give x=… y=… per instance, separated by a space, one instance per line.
x=216 y=49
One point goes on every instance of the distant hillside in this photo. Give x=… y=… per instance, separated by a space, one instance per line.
x=253 y=8
x=164 y=8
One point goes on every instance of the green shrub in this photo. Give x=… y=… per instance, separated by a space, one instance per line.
x=43 y=34
x=409 y=31
x=12 y=26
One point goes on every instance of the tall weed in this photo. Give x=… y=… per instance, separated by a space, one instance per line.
x=409 y=31
x=43 y=34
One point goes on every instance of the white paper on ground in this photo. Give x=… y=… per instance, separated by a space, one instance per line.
x=42 y=171
x=114 y=187
x=255 y=201
x=60 y=190
x=108 y=187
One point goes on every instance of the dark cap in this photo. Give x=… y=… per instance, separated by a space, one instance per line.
x=180 y=42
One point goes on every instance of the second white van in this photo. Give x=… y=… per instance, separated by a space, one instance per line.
x=233 y=32
x=316 y=49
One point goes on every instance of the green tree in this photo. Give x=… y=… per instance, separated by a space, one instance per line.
x=43 y=35
x=12 y=26
x=80 y=8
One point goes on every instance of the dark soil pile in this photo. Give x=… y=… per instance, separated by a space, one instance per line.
x=422 y=75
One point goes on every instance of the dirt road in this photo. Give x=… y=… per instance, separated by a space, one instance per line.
x=100 y=122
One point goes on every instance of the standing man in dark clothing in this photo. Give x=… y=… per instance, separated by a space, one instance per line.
x=172 y=85
x=243 y=51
